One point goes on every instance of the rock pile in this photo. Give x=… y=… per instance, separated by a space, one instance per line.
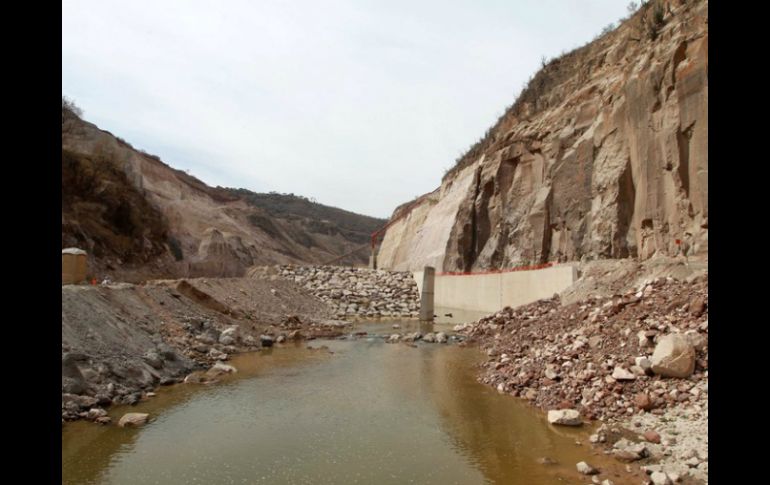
x=638 y=360
x=644 y=350
x=358 y=291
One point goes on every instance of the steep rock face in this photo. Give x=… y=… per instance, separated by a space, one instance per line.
x=605 y=155
x=138 y=218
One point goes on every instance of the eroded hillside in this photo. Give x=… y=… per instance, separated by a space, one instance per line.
x=138 y=218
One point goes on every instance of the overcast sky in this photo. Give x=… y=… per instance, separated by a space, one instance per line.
x=359 y=104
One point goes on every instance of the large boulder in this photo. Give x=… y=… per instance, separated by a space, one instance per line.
x=674 y=356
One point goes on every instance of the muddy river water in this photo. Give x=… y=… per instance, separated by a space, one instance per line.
x=362 y=412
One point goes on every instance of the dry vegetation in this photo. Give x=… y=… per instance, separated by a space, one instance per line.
x=540 y=92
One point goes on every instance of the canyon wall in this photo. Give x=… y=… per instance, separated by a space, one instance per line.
x=603 y=155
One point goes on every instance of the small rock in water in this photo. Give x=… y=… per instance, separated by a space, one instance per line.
x=266 y=340
x=546 y=461
x=441 y=338
x=228 y=369
x=133 y=419
x=95 y=413
x=586 y=469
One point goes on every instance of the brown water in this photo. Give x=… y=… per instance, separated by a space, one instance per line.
x=368 y=413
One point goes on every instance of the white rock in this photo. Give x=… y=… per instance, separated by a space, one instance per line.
x=622 y=374
x=219 y=366
x=586 y=469
x=564 y=417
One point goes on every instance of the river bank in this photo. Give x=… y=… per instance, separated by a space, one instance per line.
x=637 y=361
x=120 y=342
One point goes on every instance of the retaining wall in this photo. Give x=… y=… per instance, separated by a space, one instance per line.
x=489 y=292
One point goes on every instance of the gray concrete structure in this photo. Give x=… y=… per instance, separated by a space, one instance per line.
x=493 y=291
x=427 y=294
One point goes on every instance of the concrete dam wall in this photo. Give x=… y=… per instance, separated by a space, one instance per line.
x=492 y=291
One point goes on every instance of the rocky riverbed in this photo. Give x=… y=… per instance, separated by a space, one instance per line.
x=119 y=342
x=353 y=292
x=637 y=360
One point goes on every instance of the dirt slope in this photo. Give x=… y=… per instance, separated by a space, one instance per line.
x=121 y=341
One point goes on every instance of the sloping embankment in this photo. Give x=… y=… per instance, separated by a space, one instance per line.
x=120 y=341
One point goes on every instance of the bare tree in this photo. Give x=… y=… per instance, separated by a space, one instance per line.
x=69 y=110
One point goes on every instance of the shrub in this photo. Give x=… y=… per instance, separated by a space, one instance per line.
x=69 y=108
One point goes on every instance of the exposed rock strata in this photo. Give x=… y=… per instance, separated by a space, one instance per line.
x=605 y=155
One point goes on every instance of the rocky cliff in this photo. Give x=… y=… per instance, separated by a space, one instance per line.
x=138 y=218
x=603 y=155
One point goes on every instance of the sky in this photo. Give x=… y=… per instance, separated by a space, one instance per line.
x=357 y=104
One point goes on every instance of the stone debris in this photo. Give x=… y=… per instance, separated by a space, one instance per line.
x=549 y=360
x=358 y=292
x=548 y=353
